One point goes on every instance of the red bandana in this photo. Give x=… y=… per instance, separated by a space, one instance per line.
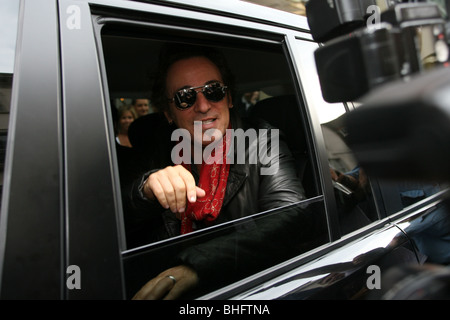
x=213 y=179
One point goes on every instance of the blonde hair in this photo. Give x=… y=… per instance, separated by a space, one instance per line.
x=121 y=110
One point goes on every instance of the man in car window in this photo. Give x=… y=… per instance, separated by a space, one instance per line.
x=194 y=91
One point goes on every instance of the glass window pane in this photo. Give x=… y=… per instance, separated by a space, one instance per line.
x=352 y=188
x=235 y=250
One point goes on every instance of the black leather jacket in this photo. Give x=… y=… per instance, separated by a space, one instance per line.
x=247 y=192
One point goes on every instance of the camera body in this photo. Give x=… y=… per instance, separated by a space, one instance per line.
x=365 y=45
x=328 y=19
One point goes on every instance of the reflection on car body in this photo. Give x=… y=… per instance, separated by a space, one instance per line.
x=315 y=280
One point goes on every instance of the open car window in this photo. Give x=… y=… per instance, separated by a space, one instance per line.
x=268 y=228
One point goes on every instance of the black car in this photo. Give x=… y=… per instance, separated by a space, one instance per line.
x=64 y=232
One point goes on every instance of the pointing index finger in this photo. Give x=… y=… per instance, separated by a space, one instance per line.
x=191 y=188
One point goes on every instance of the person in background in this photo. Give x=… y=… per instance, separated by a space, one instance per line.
x=141 y=106
x=126 y=115
x=248 y=100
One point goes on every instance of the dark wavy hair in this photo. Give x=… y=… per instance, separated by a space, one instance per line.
x=173 y=52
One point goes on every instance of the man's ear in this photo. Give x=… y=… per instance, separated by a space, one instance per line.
x=230 y=104
x=168 y=117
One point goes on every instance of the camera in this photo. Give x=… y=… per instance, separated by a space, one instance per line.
x=393 y=59
x=366 y=43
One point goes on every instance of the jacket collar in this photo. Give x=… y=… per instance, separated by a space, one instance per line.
x=238 y=172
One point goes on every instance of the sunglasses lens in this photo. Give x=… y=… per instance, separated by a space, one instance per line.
x=185 y=98
x=214 y=92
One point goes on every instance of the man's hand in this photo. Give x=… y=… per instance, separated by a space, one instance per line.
x=173 y=187
x=168 y=285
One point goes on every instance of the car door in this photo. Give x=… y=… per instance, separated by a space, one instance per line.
x=257 y=53
x=59 y=227
x=31 y=215
x=92 y=229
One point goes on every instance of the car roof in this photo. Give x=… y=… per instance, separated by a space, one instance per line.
x=228 y=8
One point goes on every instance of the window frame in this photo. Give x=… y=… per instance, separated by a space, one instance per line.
x=259 y=34
x=22 y=224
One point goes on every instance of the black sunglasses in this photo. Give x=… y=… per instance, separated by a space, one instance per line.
x=185 y=98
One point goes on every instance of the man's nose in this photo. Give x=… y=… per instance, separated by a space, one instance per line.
x=202 y=104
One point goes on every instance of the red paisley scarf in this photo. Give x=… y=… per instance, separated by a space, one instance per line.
x=213 y=179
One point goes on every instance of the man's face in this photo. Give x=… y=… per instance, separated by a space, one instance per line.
x=196 y=72
x=141 y=106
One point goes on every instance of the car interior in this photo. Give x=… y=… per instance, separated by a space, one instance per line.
x=130 y=75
